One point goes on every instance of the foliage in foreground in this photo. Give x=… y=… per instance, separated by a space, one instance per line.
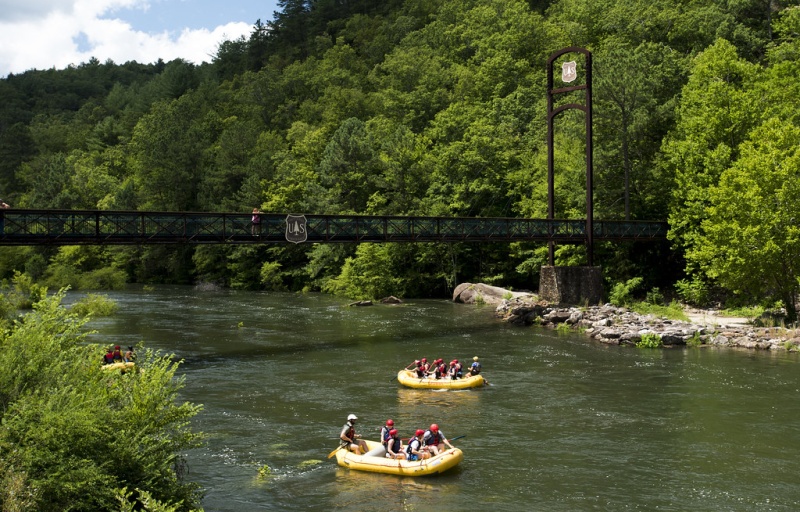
x=72 y=435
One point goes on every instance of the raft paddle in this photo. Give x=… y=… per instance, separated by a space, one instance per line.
x=457 y=437
x=334 y=452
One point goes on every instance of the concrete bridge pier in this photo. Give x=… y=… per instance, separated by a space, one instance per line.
x=571 y=285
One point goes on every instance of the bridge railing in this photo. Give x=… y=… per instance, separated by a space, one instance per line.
x=74 y=227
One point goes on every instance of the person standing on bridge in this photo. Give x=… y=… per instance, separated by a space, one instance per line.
x=255 y=222
x=3 y=206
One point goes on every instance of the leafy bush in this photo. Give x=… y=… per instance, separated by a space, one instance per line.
x=270 y=276
x=95 y=305
x=73 y=434
x=23 y=293
x=102 y=279
x=746 y=311
x=695 y=340
x=693 y=292
x=673 y=311
x=622 y=293
x=654 y=297
x=649 y=340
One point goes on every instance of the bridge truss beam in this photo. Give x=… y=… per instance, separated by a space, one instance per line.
x=95 y=227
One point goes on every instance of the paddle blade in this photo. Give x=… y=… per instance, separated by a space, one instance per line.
x=334 y=452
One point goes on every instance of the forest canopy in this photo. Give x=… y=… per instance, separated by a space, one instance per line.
x=432 y=108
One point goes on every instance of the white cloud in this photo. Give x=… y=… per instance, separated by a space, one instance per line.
x=42 y=35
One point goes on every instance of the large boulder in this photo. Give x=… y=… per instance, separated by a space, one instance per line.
x=477 y=293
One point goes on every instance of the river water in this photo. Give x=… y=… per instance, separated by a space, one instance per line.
x=567 y=424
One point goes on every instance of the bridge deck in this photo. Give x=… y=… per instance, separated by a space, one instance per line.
x=80 y=227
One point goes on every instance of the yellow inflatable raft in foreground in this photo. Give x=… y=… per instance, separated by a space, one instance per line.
x=380 y=464
x=409 y=378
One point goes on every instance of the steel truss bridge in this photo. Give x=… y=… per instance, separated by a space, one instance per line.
x=99 y=227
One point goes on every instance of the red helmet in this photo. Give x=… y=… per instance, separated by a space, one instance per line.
x=419 y=432
x=390 y=423
x=434 y=427
x=455 y=361
x=416 y=362
x=424 y=360
x=393 y=432
x=439 y=361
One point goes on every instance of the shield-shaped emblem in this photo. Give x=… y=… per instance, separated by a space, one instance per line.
x=569 y=71
x=296 y=229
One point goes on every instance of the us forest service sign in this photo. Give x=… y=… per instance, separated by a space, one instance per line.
x=296 y=229
x=569 y=71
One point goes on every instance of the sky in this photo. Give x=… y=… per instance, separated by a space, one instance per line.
x=44 y=34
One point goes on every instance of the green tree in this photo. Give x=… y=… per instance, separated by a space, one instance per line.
x=368 y=275
x=348 y=169
x=719 y=106
x=635 y=91
x=751 y=235
x=168 y=152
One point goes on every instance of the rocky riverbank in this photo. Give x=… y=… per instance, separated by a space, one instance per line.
x=619 y=326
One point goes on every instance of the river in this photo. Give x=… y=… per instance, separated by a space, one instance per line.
x=567 y=424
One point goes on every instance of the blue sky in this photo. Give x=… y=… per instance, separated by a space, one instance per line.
x=43 y=34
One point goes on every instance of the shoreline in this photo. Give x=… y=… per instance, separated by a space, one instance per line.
x=614 y=325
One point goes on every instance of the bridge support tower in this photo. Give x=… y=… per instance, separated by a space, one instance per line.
x=571 y=285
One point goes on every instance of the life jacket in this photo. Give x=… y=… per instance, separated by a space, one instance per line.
x=108 y=358
x=475 y=369
x=431 y=439
x=351 y=432
x=395 y=444
x=385 y=435
x=117 y=355
x=413 y=446
x=420 y=371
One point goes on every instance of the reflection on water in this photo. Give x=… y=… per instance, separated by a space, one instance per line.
x=361 y=490
x=407 y=397
x=566 y=425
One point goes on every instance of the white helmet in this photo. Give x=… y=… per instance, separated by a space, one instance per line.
x=352 y=417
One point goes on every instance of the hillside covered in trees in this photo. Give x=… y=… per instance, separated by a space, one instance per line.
x=433 y=108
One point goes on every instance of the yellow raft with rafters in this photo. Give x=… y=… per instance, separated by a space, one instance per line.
x=119 y=366
x=435 y=465
x=409 y=378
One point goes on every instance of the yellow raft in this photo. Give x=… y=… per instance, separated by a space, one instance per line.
x=439 y=464
x=409 y=378
x=119 y=366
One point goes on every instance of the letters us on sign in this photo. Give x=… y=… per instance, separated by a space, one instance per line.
x=296 y=228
